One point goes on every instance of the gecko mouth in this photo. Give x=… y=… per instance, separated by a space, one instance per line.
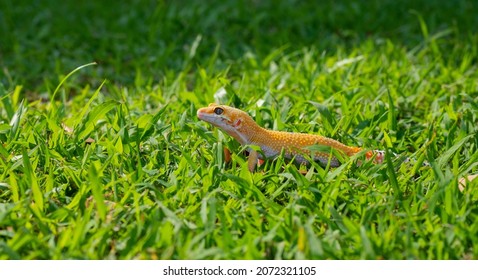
x=214 y=120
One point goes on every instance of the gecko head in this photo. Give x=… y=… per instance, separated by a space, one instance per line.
x=227 y=118
x=222 y=116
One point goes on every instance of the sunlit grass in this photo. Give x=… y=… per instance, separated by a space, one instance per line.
x=110 y=162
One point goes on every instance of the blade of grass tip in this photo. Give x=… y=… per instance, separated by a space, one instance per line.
x=426 y=35
x=329 y=122
x=30 y=174
x=152 y=122
x=219 y=155
x=79 y=118
x=16 y=95
x=450 y=152
x=392 y=120
x=423 y=25
x=14 y=187
x=7 y=105
x=391 y=173
x=213 y=58
x=97 y=191
x=15 y=121
x=95 y=115
x=63 y=81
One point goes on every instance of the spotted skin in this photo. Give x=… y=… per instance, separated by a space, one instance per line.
x=246 y=131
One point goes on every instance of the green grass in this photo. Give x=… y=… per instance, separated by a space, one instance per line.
x=394 y=75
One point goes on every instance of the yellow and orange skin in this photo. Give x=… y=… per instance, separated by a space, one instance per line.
x=246 y=131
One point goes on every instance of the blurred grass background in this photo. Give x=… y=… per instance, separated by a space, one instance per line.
x=42 y=40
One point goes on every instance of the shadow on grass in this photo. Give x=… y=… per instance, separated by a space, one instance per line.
x=44 y=39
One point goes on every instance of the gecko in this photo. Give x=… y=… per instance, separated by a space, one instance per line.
x=246 y=131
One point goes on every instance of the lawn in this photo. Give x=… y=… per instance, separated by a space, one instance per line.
x=102 y=155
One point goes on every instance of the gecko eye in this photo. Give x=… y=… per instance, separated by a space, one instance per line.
x=218 y=111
